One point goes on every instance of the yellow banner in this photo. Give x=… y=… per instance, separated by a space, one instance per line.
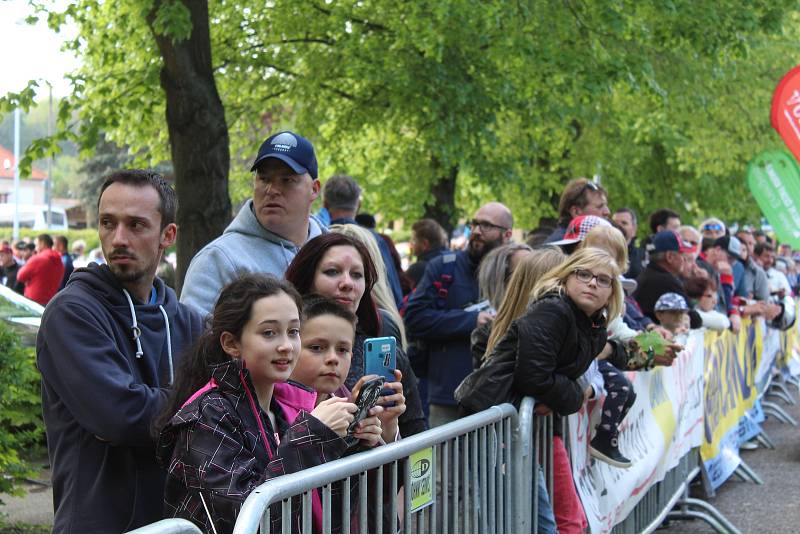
x=730 y=368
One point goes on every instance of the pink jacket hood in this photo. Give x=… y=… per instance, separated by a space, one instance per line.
x=294 y=398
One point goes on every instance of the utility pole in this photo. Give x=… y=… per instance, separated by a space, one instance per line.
x=15 y=230
x=48 y=191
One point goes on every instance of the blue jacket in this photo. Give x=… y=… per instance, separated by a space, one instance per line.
x=446 y=328
x=99 y=399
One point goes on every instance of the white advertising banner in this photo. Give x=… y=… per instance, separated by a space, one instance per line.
x=665 y=422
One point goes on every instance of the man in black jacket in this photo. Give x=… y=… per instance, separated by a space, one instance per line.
x=428 y=240
x=444 y=309
x=670 y=257
x=8 y=270
x=626 y=219
x=108 y=347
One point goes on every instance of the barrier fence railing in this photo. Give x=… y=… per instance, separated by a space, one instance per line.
x=535 y=447
x=168 y=526
x=482 y=478
x=477 y=474
x=459 y=477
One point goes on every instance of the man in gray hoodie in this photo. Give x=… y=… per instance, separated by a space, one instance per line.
x=269 y=229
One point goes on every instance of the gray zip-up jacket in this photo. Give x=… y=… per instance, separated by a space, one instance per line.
x=244 y=247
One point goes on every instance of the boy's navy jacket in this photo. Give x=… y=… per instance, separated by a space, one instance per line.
x=99 y=398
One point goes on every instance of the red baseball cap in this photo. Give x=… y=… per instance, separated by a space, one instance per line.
x=579 y=227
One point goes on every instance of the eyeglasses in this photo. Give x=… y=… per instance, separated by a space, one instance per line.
x=714 y=227
x=589 y=185
x=585 y=276
x=485 y=226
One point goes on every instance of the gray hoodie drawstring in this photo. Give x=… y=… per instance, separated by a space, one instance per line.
x=169 y=344
x=135 y=326
x=137 y=332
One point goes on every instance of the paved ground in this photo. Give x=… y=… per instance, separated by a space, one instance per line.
x=773 y=508
x=36 y=507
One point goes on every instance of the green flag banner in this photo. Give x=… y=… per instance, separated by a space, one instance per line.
x=774 y=180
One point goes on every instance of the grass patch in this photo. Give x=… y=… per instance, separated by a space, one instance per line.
x=23 y=528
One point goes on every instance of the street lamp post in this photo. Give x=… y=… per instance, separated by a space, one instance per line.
x=15 y=231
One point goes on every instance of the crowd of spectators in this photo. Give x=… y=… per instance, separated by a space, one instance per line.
x=266 y=384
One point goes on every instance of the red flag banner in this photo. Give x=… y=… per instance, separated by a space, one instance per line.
x=785 y=113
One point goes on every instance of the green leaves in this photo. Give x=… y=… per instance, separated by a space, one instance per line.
x=667 y=101
x=172 y=19
x=21 y=426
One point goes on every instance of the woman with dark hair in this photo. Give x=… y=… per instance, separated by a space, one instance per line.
x=339 y=267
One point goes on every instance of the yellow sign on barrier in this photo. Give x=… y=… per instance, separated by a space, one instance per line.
x=422 y=482
x=730 y=368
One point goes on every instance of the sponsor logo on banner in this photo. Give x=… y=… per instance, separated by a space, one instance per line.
x=731 y=364
x=422 y=483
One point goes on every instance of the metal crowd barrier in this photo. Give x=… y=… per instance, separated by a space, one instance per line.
x=536 y=452
x=474 y=463
x=484 y=480
x=669 y=499
x=168 y=526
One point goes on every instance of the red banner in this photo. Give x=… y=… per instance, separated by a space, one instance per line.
x=785 y=115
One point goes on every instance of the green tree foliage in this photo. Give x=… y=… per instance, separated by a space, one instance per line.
x=21 y=427
x=437 y=106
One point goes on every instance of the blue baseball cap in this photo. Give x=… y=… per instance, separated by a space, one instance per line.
x=667 y=241
x=294 y=150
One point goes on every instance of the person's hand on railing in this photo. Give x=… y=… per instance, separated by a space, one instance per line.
x=736 y=323
x=396 y=407
x=771 y=310
x=723 y=267
x=669 y=355
x=542 y=409
x=607 y=351
x=756 y=308
x=336 y=413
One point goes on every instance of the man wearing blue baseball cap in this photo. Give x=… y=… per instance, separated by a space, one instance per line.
x=269 y=229
x=669 y=257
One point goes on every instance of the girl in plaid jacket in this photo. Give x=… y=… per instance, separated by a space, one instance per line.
x=227 y=428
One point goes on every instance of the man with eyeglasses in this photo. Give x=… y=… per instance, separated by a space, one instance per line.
x=269 y=229
x=444 y=309
x=581 y=196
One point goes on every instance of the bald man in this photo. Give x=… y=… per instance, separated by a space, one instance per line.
x=444 y=309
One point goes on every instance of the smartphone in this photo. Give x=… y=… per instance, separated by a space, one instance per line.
x=367 y=399
x=380 y=357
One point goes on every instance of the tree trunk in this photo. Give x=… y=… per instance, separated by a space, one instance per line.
x=198 y=135
x=443 y=206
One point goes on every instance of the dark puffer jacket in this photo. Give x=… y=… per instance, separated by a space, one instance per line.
x=555 y=343
x=214 y=447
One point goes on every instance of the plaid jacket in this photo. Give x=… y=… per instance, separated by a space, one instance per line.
x=215 y=447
